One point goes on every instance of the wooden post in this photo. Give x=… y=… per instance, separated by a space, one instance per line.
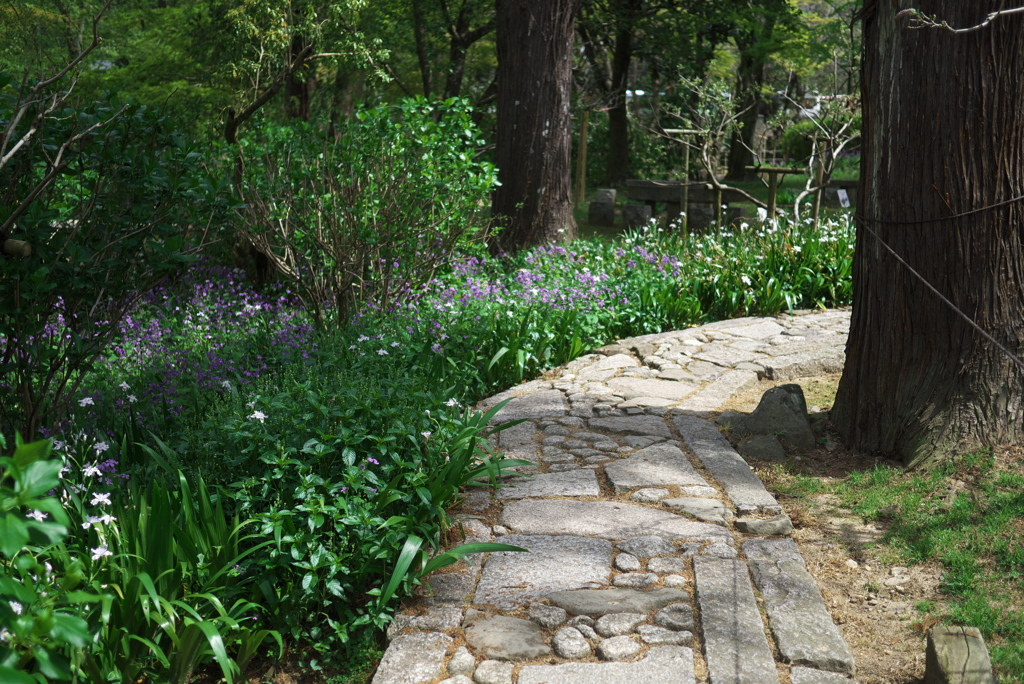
x=684 y=208
x=718 y=208
x=775 y=175
x=17 y=248
x=581 y=160
x=686 y=188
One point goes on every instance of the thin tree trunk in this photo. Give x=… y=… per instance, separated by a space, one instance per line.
x=617 y=169
x=943 y=134
x=534 y=201
x=750 y=77
x=419 y=32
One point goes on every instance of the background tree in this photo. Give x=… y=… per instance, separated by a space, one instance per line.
x=534 y=200
x=942 y=170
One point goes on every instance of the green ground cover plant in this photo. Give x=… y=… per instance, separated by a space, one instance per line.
x=306 y=472
x=966 y=515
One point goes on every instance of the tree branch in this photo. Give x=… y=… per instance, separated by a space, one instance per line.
x=920 y=20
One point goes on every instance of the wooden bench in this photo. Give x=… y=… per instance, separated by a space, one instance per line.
x=701 y=197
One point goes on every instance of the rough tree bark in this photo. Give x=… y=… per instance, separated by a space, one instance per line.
x=943 y=134
x=534 y=200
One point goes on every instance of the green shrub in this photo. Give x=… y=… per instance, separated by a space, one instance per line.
x=110 y=198
x=373 y=214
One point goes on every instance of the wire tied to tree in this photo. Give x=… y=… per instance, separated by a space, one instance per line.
x=864 y=222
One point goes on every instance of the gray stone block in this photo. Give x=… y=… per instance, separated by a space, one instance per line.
x=603 y=519
x=634 y=425
x=493 y=672
x=735 y=646
x=571 y=483
x=569 y=643
x=512 y=579
x=957 y=655
x=797 y=616
x=618 y=624
x=462 y=662
x=598 y=602
x=413 y=658
x=780 y=524
x=662 y=664
x=743 y=487
x=542 y=404
x=646 y=546
x=507 y=638
x=806 y=675
x=708 y=510
x=636 y=215
x=601 y=214
x=619 y=648
x=660 y=464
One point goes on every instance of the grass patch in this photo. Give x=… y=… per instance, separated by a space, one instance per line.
x=967 y=515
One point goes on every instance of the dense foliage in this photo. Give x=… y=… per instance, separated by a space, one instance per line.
x=305 y=474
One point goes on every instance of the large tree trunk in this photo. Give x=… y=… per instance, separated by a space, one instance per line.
x=943 y=134
x=534 y=200
x=617 y=169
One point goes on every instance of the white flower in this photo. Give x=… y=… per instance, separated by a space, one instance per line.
x=91 y=470
x=124 y=386
x=16 y=607
x=100 y=499
x=351 y=346
x=426 y=434
x=394 y=344
x=106 y=519
x=132 y=399
x=4 y=635
x=745 y=279
x=101 y=552
x=225 y=384
x=86 y=401
x=251 y=404
x=38 y=516
x=363 y=338
x=259 y=415
x=451 y=402
x=100 y=447
x=382 y=352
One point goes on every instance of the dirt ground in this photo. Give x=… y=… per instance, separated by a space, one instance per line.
x=871 y=599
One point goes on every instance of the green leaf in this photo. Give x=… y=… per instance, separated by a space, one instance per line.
x=13 y=534
x=12 y=676
x=71 y=629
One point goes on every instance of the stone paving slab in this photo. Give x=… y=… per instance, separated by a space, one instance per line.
x=799 y=620
x=632 y=425
x=605 y=520
x=735 y=646
x=614 y=420
x=743 y=487
x=569 y=483
x=662 y=664
x=512 y=579
x=805 y=675
x=659 y=464
x=598 y=602
x=543 y=404
x=413 y=658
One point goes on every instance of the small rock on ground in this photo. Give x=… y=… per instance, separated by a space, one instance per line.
x=620 y=648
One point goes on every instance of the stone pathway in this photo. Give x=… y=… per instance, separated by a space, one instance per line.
x=656 y=554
